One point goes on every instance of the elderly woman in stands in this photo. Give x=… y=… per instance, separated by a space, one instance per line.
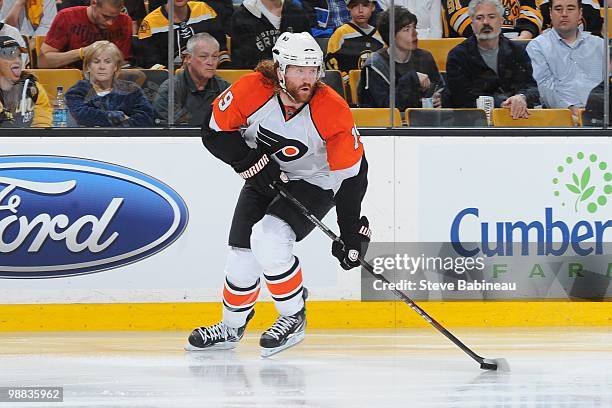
x=102 y=99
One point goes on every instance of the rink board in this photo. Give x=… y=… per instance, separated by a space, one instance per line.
x=321 y=315
x=416 y=188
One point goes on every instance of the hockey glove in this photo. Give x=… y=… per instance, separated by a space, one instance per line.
x=356 y=239
x=258 y=169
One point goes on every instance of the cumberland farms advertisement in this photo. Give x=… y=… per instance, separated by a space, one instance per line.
x=503 y=218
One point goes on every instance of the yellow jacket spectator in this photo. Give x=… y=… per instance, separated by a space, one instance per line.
x=23 y=101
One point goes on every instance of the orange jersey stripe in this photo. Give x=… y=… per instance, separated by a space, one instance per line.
x=334 y=122
x=232 y=108
x=286 y=287
x=233 y=299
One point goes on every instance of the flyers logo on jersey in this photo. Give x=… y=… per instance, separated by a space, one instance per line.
x=284 y=149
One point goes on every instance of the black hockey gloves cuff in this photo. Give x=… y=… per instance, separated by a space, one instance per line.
x=356 y=239
x=260 y=170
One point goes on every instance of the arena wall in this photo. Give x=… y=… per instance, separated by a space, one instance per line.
x=417 y=186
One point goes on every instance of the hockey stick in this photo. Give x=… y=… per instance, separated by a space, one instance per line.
x=485 y=363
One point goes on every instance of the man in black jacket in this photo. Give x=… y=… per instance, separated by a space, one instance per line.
x=196 y=86
x=488 y=64
x=257 y=24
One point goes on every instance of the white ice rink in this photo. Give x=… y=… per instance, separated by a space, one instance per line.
x=556 y=367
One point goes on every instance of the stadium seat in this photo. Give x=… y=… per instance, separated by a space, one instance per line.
x=148 y=79
x=446 y=117
x=354 y=75
x=537 y=118
x=375 y=117
x=34 y=44
x=521 y=42
x=333 y=78
x=38 y=42
x=439 y=48
x=232 y=75
x=50 y=79
x=588 y=119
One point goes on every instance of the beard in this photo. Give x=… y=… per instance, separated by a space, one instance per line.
x=488 y=36
x=300 y=95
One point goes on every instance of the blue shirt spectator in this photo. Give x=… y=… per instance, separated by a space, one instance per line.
x=567 y=62
x=566 y=73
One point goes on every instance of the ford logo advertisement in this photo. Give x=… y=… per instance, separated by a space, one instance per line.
x=65 y=216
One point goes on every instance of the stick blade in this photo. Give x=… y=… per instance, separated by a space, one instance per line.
x=495 y=364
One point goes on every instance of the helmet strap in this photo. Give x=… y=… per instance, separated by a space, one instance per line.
x=283 y=85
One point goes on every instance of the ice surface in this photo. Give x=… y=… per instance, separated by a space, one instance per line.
x=552 y=367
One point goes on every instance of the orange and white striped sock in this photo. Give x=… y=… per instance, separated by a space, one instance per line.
x=286 y=289
x=238 y=302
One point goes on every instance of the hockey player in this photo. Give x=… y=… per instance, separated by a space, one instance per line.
x=522 y=19
x=298 y=130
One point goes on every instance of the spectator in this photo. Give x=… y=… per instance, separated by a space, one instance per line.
x=352 y=43
x=133 y=8
x=10 y=31
x=75 y=28
x=520 y=19
x=23 y=101
x=416 y=73
x=567 y=62
x=592 y=16
x=104 y=100
x=32 y=18
x=257 y=24
x=489 y=64
x=329 y=16
x=190 y=18
x=428 y=13
x=196 y=85
x=224 y=8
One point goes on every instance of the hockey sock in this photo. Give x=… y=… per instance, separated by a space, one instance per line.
x=238 y=302
x=286 y=288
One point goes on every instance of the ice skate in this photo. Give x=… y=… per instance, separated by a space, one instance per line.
x=286 y=332
x=216 y=337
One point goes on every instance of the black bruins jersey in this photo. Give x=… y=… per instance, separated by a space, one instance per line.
x=592 y=17
x=520 y=15
x=349 y=47
x=153 y=33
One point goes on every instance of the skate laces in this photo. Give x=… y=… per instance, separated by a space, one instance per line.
x=218 y=331
x=282 y=325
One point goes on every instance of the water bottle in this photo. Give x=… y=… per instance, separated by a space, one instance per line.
x=60 y=112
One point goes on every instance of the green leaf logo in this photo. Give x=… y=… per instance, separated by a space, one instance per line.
x=588 y=179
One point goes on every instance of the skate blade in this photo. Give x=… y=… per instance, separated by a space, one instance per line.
x=219 y=346
x=267 y=352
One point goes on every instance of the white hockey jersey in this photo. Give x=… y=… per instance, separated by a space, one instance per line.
x=319 y=143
